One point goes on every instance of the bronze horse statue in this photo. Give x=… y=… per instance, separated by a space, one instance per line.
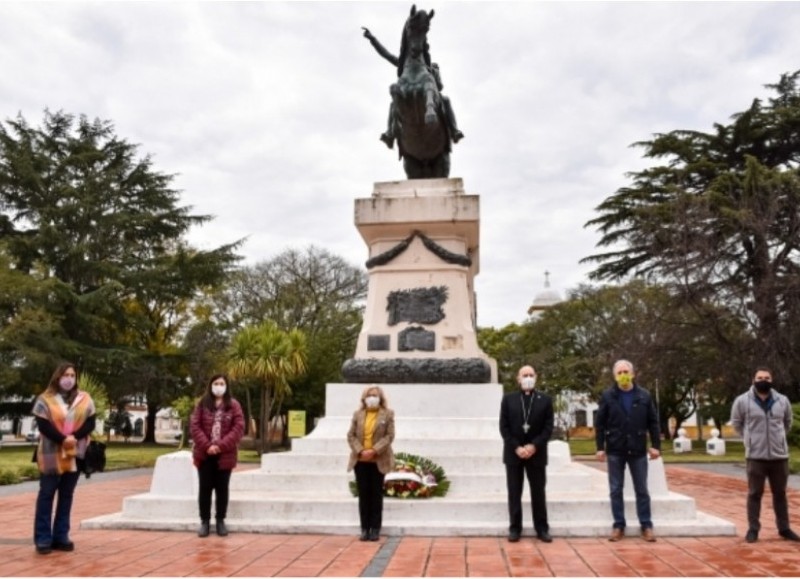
x=418 y=116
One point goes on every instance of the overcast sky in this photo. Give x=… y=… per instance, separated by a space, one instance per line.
x=269 y=113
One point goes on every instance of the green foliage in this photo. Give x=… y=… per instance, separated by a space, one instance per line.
x=9 y=477
x=310 y=290
x=793 y=436
x=95 y=389
x=718 y=219
x=574 y=344
x=273 y=358
x=120 y=456
x=184 y=406
x=407 y=489
x=29 y=472
x=204 y=348
x=507 y=347
x=94 y=261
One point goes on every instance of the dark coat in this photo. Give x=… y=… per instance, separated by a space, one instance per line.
x=617 y=432
x=232 y=430
x=541 y=426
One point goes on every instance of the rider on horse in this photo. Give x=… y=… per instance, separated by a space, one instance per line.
x=388 y=137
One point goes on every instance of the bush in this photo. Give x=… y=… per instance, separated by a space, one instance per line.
x=793 y=436
x=29 y=472
x=8 y=477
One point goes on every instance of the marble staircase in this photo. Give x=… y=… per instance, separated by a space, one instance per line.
x=306 y=490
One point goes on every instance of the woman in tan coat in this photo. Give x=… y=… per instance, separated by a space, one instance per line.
x=370 y=438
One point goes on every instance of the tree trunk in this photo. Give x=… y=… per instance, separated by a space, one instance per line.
x=262 y=426
x=150 y=424
x=247 y=429
x=268 y=407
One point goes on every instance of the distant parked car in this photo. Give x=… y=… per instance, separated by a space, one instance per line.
x=32 y=436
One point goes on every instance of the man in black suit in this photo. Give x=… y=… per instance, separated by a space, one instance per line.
x=526 y=424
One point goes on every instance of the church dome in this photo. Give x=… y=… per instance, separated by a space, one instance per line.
x=546 y=298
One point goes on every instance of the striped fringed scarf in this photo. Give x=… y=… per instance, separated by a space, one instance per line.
x=51 y=457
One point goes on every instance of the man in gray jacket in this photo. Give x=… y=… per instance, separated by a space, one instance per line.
x=762 y=417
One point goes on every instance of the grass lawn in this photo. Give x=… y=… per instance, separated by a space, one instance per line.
x=17 y=466
x=734 y=452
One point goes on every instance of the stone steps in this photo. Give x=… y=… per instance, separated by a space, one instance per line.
x=306 y=490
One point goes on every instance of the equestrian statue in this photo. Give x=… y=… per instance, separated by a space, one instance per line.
x=421 y=118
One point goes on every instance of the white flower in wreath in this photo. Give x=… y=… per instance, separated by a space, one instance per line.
x=429 y=480
x=403 y=476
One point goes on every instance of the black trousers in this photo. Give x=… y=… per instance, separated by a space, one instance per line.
x=537 y=479
x=213 y=479
x=758 y=471
x=369 y=481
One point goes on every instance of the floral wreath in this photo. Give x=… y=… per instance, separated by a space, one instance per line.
x=413 y=477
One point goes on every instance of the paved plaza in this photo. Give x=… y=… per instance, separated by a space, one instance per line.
x=112 y=553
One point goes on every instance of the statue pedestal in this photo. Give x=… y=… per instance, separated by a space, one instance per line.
x=420 y=318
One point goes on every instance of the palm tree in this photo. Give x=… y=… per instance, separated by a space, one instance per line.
x=272 y=357
x=97 y=390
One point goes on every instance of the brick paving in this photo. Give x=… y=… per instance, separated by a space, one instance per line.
x=112 y=553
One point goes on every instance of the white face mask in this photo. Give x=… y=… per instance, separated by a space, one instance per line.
x=528 y=382
x=372 y=401
x=66 y=383
x=218 y=389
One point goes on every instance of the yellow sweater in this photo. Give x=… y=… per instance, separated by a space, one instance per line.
x=369 y=427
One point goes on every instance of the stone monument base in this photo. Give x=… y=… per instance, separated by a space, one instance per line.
x=454 y=425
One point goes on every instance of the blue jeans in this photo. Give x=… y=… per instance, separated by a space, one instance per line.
x=616 y=482
x=47 y=531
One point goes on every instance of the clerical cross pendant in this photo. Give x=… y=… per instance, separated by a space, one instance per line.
x=526 y=427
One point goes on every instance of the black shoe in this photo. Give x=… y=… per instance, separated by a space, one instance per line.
x=545 y=537
x=222 y=530
x=204 y=529
x=751 y=536
x=789 y=535
x=365 y=533
x=513 y=536
x=374 y=535
x=64 y=546
x=44 y=549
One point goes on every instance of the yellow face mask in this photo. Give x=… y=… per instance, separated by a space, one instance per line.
x=625 y=381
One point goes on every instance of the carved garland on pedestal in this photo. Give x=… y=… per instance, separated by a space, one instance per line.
x=445 y=254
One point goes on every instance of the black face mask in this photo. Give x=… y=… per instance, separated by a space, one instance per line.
x=762 y=386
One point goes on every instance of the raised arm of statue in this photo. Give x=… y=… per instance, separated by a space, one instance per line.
x=379 y=48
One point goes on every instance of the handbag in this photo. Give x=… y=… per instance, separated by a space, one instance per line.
x=95 y=458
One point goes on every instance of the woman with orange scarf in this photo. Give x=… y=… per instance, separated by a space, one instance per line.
x=65 y=416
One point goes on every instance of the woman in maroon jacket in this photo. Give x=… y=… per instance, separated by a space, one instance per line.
x=217 y=426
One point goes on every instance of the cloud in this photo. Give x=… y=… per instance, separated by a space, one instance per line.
x=269 y=112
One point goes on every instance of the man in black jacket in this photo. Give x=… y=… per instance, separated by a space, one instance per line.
x=526 y=424
x=625 y=416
